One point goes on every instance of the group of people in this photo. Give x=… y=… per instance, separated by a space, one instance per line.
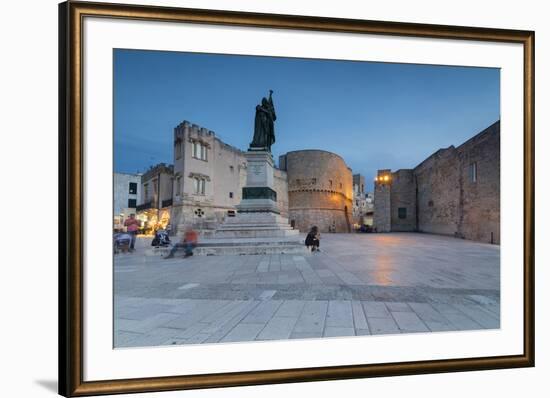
x=190 y=238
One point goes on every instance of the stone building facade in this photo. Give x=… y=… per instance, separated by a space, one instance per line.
x=208 y=179
x=362 y=203
x=320 y=190
x=156 y=196
x=126 y=193
x=455 y=191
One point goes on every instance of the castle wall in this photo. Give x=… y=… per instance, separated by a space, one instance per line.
x=382 y=202
x=480 y=200
x=403 y=201
x=281 y=187
x=438 y=181
x=455 y=191
x=320 y=190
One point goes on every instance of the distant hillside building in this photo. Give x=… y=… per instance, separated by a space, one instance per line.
x=362 y=204
x=455 y=191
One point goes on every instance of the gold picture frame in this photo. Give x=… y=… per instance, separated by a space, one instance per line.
x=71 y=239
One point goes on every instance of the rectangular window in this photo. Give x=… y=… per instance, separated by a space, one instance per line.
x=145 y=192
x=402 y=212
x=200 y=151
x=199 y=185
x=132 y=203
x=230 y=195
x=178 y=149
x=133 y=188
x=178 y=186
x=473 y=172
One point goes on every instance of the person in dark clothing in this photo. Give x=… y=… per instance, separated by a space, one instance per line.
x=312 y=239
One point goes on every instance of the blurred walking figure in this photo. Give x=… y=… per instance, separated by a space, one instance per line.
x=190 y=239
x=313 y=238
x=132 y=226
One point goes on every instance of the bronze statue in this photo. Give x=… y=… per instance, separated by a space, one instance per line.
x=264 y=126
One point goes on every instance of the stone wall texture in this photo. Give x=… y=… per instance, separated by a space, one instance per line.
x=455 y=191
x=403 y=201
x=320 y=190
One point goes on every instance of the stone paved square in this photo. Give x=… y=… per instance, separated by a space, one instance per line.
x=359 y=284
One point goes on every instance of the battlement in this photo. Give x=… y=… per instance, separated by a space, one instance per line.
x=188 y=128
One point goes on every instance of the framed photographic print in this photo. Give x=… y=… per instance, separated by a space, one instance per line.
x=253 y=198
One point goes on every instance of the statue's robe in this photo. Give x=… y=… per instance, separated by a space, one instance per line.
x=264 y=131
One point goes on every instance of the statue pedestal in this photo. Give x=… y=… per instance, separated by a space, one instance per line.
x=258 y=228
x=258 y=194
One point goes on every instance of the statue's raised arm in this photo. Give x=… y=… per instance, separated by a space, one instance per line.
x=270 y=100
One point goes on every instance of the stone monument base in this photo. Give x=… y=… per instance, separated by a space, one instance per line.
x=253 y=233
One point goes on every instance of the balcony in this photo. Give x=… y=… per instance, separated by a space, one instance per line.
x=144 y=206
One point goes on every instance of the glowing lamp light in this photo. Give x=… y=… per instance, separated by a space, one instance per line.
x=386 y=178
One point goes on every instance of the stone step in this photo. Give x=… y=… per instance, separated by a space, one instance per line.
x=264 y=233
x=250 y=242
x=253 y=226
x=251 y=250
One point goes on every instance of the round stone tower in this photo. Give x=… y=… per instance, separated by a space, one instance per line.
x=320 y=190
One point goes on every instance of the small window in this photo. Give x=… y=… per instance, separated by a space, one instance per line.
x=200 y=150
x=473 y=172
x=178 y=186
x=231 y=213
x=402 y=212
x=132 y=203
x=199 y=186
x=230 y=195
x=178 y=149
x=330 y=183
x=133 y=188
x=340 y=185
x=231 y=169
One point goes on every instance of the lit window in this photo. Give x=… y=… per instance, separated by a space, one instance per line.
x=473 y=172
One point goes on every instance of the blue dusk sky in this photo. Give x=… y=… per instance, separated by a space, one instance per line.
x=374 y=115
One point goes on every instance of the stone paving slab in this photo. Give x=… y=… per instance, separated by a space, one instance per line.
x=360 y=284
